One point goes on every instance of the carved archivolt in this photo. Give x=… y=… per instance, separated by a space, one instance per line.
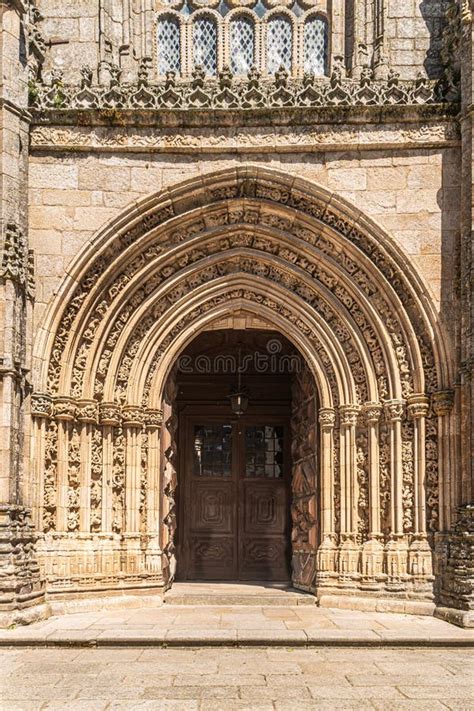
x=338 y=288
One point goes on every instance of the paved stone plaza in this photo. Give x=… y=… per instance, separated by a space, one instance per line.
x=237 y=625
x=258 y=679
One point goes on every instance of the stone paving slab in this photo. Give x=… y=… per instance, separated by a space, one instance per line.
x=174 y=625
x=274 y=679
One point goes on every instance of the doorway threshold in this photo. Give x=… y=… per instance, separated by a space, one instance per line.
x=209 y=593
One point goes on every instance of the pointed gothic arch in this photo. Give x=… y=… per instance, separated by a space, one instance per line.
x=322 y=273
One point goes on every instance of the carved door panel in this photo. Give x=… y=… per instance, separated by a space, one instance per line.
x=235 y=516
x=210 y=513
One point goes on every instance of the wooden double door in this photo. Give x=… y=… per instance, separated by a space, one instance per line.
x=234 y=502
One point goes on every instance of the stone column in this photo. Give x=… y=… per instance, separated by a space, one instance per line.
x=87 y=416
x=133 y=423
x=348 y=562
x=41 y=411
x=21 y=586
x=443 y=402
x=337 y=29
x=326 y=555
x=109 y=417
x=153 y=421
x=360 y=52
x=372 y=550
x=380 y=62
x=64 y=413
x=397 y=548
x=420 y=558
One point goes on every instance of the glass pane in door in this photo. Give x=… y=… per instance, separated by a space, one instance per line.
x=212 y=450
x=264 y=452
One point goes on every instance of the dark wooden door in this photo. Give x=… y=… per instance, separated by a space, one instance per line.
x=235 y=505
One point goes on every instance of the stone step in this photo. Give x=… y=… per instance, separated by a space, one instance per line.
x=227 y=594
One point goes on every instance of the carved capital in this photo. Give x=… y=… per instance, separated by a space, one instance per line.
x=372 y=412
x=153 y=419
x=132 y=416
x=109 y=414
x=349 y=415
x=327 y=418
x=87 y=411
x=443 y=402
x=394 y=410
x=64 y=409
x=418 y=406
x=41 y=405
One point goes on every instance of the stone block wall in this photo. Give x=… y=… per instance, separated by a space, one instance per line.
x=413 y=36
x=412 y=194
x=73 y=30
x=404 y=35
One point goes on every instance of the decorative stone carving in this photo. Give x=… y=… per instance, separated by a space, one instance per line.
x=396 y=552
x=41 y=405
x=109 y=414
x=432 y=491
x=450 y=48
x=87 y=411
x=118 y=480
x=22 y=583
x=385 y=494
x=254 y=267
x=372 y=411
x=420 y=561
x=73 y=480
x=292 y=244
x=408 y=485
x=132 y=416
x=458 y=581
x=348 y=562
x=170 y=483
x=418 y=406
x=64 y=409
x=348 y=415
x=327 y=417
x=248 y=139
x=363 y=486
x=153 y=419
x=394 y=410
x=50 y=477
x=372 y=562
x=394 y=281
x=198 y=92
x=304 y=480
x=96 y=480
x=443 y=402
x=15 y=260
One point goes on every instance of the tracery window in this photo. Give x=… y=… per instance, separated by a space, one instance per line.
x=242 y=45
x=279 y=44
x=168 y=45
x=315 y=46
x=205 y=44
x=242 y=35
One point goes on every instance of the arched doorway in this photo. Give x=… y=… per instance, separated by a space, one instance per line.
x=307 y=265
x=247 y=484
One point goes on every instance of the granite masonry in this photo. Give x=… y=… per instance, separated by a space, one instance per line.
x=175 y=167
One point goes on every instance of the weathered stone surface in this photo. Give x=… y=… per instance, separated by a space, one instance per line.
x=333 y=200
x=319 y=678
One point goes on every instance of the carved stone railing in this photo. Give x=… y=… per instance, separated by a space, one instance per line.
x=228 y=92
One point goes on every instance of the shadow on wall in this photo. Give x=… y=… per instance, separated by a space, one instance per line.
x=434 y=13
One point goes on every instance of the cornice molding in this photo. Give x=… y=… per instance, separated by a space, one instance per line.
x=246 y=138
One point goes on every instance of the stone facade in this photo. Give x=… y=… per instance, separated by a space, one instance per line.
x=139 y=209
